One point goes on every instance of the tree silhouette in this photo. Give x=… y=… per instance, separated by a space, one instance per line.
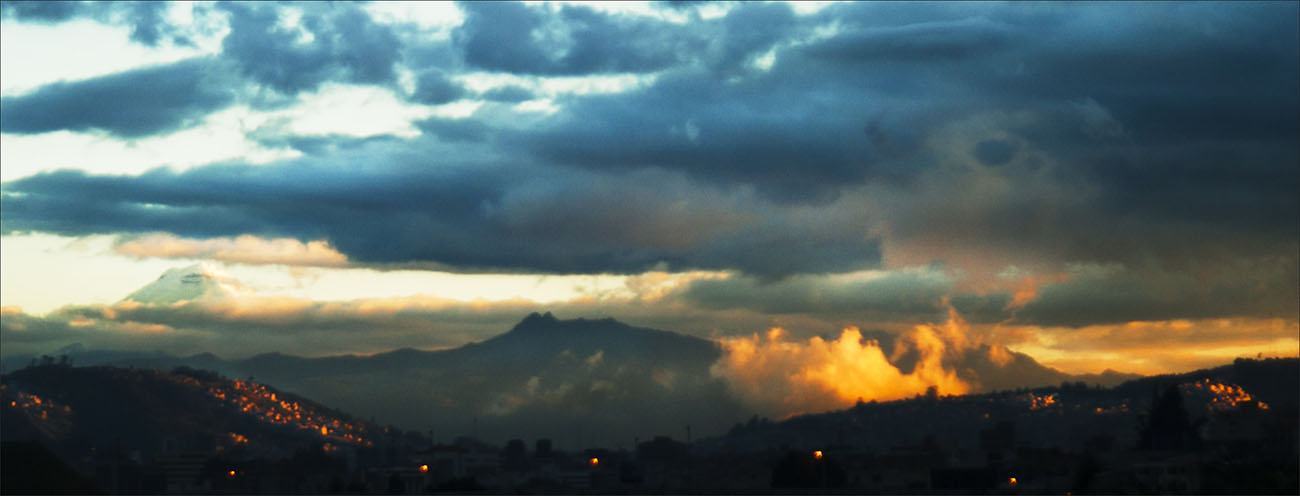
x=1166 y=427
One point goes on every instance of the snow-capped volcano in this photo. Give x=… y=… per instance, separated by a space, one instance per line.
x=202 y=281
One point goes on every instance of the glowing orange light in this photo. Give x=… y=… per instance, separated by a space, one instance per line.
x=424 y=469
x=230 y=473
x=1012 y=482
x=594 y=461
x=324 y=431
x=817 y=454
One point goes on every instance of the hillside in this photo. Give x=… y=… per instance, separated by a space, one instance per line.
x=151 y=411
x=1049 y=417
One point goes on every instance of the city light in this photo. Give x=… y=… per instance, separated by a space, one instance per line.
x=594 y=461
x=424 y=469
x=817 y=454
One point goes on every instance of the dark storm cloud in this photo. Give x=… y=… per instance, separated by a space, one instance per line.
x=570 y=40
x=382 y=203
x=902 y=296
x=433 y=87
x=749 y=30
x=130 y=104
x=1112 y=295
x=347 y=45
x=744 y=133
x=919 y=43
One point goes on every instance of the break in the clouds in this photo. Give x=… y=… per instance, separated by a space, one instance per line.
x=1054 y=165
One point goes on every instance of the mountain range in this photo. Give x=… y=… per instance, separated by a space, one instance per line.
x=580 y=381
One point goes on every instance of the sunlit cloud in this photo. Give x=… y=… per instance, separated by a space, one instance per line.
x=246 y=249
x=789 y=377
x=1157 y=347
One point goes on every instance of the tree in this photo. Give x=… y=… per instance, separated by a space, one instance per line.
x=1167 y=427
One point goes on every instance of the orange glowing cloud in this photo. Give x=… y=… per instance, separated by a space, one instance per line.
x=1159 y=347
x=1025 y=288
x=789 y=377
x=246 y=249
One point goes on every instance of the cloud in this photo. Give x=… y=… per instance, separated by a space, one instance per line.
x=44 y=11
x=345 y=45
x=434 y=88
x=131 y=104
x=148 y=26
x=922 y=42
x=916 y=295
x=791 y=377
x=1112 y=294
x=411 y=208
x=767 y=143
x=1161 y=347
x=755 y=132
x=244 y=249
x=508 y=94
x=568 y=40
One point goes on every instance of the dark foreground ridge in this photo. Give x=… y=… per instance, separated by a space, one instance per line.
x=1230 y=429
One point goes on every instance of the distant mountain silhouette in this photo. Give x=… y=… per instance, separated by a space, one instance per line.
x=595 y=381
x=978 y=367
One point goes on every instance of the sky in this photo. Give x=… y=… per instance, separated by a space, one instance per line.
x=1097 y=185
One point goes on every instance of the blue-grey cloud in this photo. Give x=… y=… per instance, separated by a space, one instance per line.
x=508 y=94
x=433 y=87
x=452 y=130
x=148 y=26
x=388 y=203
x=130 y=104
x=44 y=11
x=571 y=40
x=347 y=45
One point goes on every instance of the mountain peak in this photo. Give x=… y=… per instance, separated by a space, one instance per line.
x=547 y=322
x=537 y=321
x=201 y=281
